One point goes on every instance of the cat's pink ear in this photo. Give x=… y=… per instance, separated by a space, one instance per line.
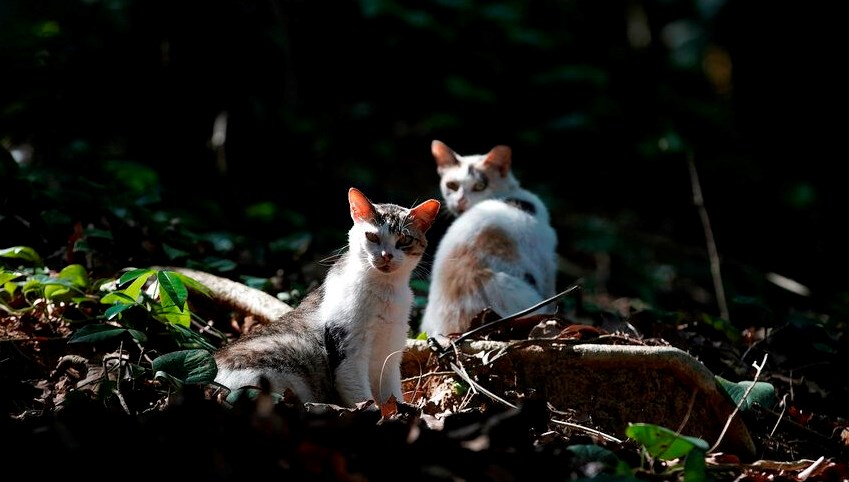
x=361 y=208
x=443 y=155
x=424 y=214
x=500 y=158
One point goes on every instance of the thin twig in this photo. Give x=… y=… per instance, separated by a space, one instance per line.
x=781 y=416
x=713 y=255
x=477 y=386
x=758 y=369
x=689 y=411
x=491 y=324
x=426 y=375
x=603 y=435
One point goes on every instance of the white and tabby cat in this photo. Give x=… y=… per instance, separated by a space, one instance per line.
x=343 y=343
x=499 y=252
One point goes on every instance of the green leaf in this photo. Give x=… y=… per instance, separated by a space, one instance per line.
x=192 y=283
x=586 y=453
x=57 y=289
x=296 y=243
x=98 y=233
x=173 y=253
x=762 y=394
x=97 y=333
x=24 y=253
x=10 y=288
x=188 y=338
x=694 y=466
x=135 y=288
x=174 y=382
x=133 y=274
x=219 y=264
x=662 y=442
x=72 y=278
x=172 y=287
x=188 y=366
x=76 y=274
x=6 y=276
x=38 y=282
x=113 y=311
x=724 y=326
x=118 y=297
x=168 y=312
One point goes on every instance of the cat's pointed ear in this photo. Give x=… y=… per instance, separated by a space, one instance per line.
x=443 y=155
x=423 y=215
x=361 y=208
x=500 y=157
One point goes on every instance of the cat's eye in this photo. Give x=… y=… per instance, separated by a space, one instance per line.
x=452 y=185
x=373 y=237
x=479 y=186
x=404 y=242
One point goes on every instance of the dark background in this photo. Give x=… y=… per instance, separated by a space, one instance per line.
x=602 y=103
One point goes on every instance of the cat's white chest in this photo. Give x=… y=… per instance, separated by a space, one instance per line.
x=367 y=300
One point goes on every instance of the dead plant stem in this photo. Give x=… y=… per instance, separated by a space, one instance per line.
x=713 y=254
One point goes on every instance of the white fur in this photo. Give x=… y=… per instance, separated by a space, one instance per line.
x=242 y=377
x=375 y=307
x=507 y=291
x=357 y=320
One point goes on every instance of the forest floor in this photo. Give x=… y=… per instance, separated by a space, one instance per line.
x=55 y=426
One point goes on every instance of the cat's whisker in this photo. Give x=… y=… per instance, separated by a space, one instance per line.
x=333 y=257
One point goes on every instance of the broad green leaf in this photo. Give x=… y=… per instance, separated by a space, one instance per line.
x=133 y=274
x=188 y=338
x=193 y=283
x=219 y=264
x=36 y=283
x=694 y=466
x=296 y=243
x=586 y=453
x=135 y=288
x=113 y=311
x=173 y=253
x=188 y=366
x=662 y=442
x=72 y=278
x=22 y=252
x=168 y=312
x=118 y=297
x=98 y=233
x=76 y=274
x=57 y=289
x=6 y=276
x=97 y=333
x=175 y=382
x=762 y=394
x=10 y=288
x=171 y=285
x=255 y=282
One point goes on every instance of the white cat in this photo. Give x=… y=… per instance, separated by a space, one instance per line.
x=500 y=251
x=343 y=343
